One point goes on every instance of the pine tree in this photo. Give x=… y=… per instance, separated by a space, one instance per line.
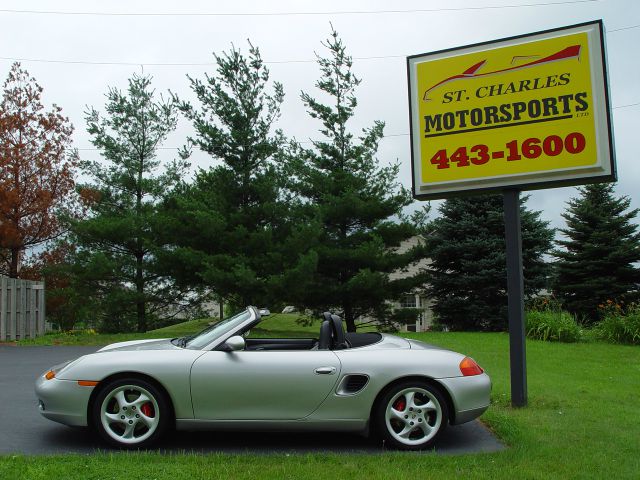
x=468 y=277
x=118 y=238
x=355 y=203
x=227 y=229
x=596 y=262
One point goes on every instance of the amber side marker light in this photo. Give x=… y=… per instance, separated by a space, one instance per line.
x=50 y=374
x=468 y=367
x=87 y=383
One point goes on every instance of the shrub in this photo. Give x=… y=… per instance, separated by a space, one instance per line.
x=542 y=303
x=552 y=325
x=620 y=326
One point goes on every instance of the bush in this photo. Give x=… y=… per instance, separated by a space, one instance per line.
x=542 y=303
x=552 y=325
x=620 y=326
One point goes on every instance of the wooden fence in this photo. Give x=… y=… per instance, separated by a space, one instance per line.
x=22 y=309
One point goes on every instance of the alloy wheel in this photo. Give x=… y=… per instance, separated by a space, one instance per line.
x=413 y=416
x=129 y=414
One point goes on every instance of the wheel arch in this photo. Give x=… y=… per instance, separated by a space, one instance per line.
x=421 y=378
x=133 y=375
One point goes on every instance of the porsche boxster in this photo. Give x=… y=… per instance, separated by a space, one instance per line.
x=404 y=391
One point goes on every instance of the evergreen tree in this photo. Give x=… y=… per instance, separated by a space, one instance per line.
x=118 y=239
x=233 y=220
x=596 y=262
x=355 y=203
x=468 y=276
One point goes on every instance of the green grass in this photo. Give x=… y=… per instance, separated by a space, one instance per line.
x=283 y=325
x=582 y=421
x=275 y=325
x=552 y=325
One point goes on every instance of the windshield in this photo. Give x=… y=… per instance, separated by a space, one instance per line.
x=208 y=335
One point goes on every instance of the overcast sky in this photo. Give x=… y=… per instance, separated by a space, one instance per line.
x=76 y=56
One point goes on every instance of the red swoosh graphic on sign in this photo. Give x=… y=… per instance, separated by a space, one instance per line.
x=569 y=52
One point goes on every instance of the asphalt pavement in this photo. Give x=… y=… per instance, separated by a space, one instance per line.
x=23 y=430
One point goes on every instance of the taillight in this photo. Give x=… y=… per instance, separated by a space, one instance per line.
x=468 y=367
x=50 y=374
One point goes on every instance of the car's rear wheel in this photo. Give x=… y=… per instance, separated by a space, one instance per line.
x=411 y=415
x=130 y=413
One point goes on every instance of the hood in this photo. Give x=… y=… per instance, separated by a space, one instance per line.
x=154 y=344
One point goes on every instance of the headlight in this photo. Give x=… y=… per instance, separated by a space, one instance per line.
x=53 y=371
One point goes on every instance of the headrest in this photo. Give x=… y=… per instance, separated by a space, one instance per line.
x=325 y=336
x=339 y=341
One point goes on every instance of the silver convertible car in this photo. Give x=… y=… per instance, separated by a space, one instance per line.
x=404 y=391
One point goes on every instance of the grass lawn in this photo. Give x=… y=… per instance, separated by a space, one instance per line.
x=582 y=421
x=275 y=325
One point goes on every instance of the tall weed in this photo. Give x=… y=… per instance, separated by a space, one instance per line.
x=620 y=326
x=552 y=326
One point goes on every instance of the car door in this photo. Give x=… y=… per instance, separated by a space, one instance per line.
x=262 y=385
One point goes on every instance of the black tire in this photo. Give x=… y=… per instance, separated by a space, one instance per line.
x=138 y=422
x=411 y=425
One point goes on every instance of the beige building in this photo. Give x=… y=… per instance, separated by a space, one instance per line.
x=415 y=299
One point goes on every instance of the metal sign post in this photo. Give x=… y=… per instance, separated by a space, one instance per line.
x=515 y=295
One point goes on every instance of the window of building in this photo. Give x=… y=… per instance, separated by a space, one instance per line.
x=408 y=301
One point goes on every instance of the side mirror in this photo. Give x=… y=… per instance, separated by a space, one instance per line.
x=234 y=344
x=264 y=312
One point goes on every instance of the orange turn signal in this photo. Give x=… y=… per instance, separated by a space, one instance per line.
x=87 y=383
x=50 y=374
x=468 y=367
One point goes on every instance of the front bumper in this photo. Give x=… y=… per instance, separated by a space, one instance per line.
x=471 y=396
x=63 y=401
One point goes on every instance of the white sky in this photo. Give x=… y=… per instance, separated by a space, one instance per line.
x=404 y=28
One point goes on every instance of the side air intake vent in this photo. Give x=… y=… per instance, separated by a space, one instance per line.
x=352 y=384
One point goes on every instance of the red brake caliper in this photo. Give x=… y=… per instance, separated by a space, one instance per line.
x=400 y=404
x=147 y=409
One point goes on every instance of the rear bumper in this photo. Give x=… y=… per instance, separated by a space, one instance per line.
x=468 y=415
x=471 y=396
x=63 y=401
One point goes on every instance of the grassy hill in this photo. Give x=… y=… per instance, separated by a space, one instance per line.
x=275 y=325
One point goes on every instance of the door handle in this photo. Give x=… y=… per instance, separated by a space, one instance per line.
x=325 y=370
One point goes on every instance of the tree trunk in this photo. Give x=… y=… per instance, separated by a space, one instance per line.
x=14 y=266
x=140 y=301
x=348 y=317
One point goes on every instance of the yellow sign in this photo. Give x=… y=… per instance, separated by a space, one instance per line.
x=519 y=112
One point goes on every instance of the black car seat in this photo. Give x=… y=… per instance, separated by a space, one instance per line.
x=339 y=340
x=324 y=342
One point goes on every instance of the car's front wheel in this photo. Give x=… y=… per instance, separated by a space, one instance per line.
x=411 y=415
x=130 y=413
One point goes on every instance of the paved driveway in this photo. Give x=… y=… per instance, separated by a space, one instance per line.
x=24 y=430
